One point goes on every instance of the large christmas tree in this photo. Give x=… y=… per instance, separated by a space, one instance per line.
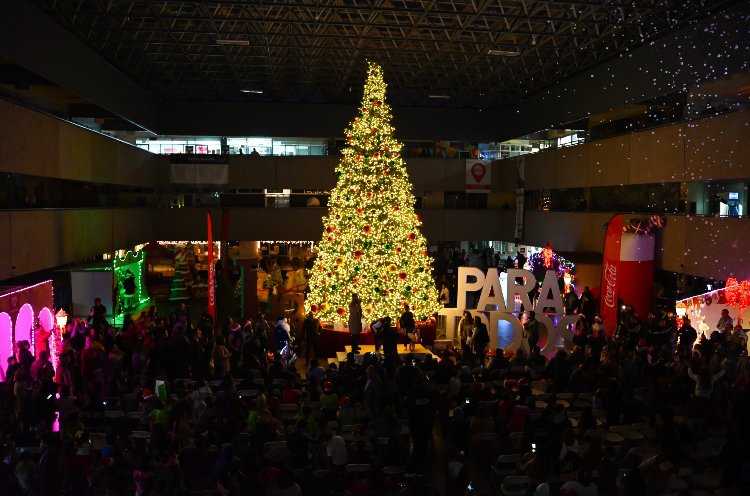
x=371 y=241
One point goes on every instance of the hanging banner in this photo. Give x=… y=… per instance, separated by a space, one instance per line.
x=199 y=169
x=478 y=176
x=211 y=273
x=609 y=296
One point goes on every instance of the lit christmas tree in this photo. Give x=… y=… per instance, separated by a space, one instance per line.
x=371 y=241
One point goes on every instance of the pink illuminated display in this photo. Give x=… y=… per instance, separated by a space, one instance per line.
x=25 y=326
x=51 y=332
x=6 y=340
x=18 y=320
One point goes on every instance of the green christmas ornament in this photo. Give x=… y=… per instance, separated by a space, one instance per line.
x=387 y=247
x=408 y=288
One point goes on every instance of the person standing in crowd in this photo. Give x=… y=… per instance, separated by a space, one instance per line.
x=724 y=321
x=686 y=338
x=480 y=340
x=587 y=304
x=445 y=295
x=388 y=338
x=465 y=330
x=408 y=326
x=531 y=329
x=98 y=315
x=311 y=332
x=355 y=321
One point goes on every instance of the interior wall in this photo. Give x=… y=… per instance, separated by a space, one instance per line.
x=35 y=240
x=32 y=143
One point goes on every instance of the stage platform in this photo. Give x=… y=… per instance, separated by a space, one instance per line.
x=419 y=351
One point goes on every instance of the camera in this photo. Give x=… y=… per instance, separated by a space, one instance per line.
x=468 y=401
x=533 y=447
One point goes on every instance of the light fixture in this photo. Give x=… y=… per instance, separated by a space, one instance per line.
x=239 y=43
x=503 y=53
x=248 y=90
x=61 y=318
x=439 y=96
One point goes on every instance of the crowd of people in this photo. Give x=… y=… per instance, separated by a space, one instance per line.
x=165 y=406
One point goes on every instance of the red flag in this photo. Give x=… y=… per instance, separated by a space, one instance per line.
x=211 y=273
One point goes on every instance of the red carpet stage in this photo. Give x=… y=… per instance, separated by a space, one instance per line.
x=332 y=341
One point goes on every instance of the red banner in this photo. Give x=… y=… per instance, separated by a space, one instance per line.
x=610 y=294
x=211 y=273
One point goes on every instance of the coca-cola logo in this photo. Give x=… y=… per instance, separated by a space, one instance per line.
x=610 y=280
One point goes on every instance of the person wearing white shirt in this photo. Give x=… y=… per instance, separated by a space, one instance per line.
x=336 y=451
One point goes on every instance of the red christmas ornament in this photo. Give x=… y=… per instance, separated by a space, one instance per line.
x=411 y=236
x=395 y=154
x=329 y=229
x=375 y=155
x=356 y=279
x=385 y=292
x=395 y=208
x=349 y=138
x=387 y=148
x=330 y=273
x=424 y=253
x=356 y=190
x=398 y=250
x=402 y=275
x=330 y=239
x=357 y=254
x=385 y=277
x=419 y=217
x=378 y=103
x=367 y=228
x=359 y=210
x=369 y=195
x=320 y=267
x=341 y=311
x=372 y=129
